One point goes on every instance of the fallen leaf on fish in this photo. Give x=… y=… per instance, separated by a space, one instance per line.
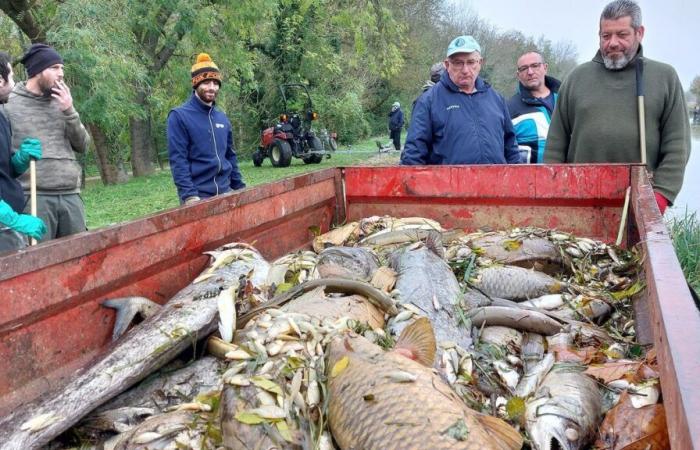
x=612 y=371
x=264 y=383
x=338 y=367
x=628 y=428
x=249 y=418
x=511 y=245
x=399 y=376
x=458 y=431
x=283 y=429
x=563 y=353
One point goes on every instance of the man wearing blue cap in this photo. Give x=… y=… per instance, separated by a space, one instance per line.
x=461 y=120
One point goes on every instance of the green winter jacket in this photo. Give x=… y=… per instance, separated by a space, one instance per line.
x=61 y=135
x=596 y=120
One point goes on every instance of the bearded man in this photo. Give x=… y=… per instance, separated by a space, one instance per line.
x=42 y=108
x=596 y=118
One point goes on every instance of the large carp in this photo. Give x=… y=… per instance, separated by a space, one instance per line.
x=189 y=316
x=384 y=400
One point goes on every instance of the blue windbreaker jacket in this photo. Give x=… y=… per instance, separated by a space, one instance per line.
x=452 y=127
x=201 y=150
x=531 y=118
x=396 y=119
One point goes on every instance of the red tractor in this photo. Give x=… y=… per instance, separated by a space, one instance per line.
x=292 y=135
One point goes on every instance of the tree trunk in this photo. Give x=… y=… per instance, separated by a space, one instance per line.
x=141 y=140
x=111 y=171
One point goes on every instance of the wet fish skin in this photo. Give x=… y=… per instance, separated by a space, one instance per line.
x=516 y=283
x=368 y=410
x=565 y=409
x=354 y=263
x=127 y=309
x=190 y=314
x=423 y=277
x=529 y=252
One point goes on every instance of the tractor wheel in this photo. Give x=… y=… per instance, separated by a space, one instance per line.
x=281 y=153
x=315 y=146
x=258 y=158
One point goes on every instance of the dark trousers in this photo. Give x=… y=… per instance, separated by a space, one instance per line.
x=395 y=136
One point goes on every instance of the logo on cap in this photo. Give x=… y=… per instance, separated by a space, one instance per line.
x=459 y=42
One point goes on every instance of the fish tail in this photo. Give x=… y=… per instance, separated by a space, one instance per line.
x=504 y=436
x=127 y=308
x=419 y=339
x=433 y=241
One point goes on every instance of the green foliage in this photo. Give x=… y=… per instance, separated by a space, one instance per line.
x=685 y=232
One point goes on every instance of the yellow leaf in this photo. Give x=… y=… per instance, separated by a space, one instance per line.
x=511 y=245
x=264 y=383
x=339 y=366
x=515 y=407
x=284 y=431
x=283 y=287
x=249 y=418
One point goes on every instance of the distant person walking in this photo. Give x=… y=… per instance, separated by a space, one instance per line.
x=596 y=118
x=42 y=108
x=532 y=106
x=461 y=120
x=396 y=124
x=200 y=140
x=14 y=226
x=696 y=115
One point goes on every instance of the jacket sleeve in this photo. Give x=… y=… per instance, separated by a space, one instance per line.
x=77 y=134
x=400 y=124
x=178 y=154
x=236 y=177
x=419 y=141
x=674 y=144
x=510 y=143
x=559 y=134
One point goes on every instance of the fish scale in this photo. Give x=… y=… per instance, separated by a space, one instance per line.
x=516 y=283
x=416 y=414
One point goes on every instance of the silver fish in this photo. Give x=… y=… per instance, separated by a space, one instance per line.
x=188 y=316
x=565 y=411
x=354 y=263
x=424 y=279
x=127 y=309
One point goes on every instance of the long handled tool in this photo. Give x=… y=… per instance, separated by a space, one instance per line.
x=640 y=106
x=32 y=191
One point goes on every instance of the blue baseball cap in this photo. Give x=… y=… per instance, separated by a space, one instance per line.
x=463 y=44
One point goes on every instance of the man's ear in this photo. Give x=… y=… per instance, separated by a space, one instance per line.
x=640 y=31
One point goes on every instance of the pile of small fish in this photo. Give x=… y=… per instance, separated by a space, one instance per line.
x=392 y=333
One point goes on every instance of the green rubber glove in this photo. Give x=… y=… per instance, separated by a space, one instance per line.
x=28 y=149
x=22 y=223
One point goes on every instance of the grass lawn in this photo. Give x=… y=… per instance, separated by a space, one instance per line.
x=685 y=232
x=108 y=205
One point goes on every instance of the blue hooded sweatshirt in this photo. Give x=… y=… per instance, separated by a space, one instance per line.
x=451 y=127
x=200 y=146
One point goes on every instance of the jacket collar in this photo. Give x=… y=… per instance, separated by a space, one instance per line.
x=480 y=84
x=598 y=58
x=526 y=96
x=21 y=89
x=199 y=104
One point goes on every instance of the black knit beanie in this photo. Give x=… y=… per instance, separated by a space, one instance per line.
x=39 y=57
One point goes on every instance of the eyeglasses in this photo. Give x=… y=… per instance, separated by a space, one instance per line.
x=459 y=65
x=533 y=66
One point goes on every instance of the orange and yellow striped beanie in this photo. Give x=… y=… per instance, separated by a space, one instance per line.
x=204 y=69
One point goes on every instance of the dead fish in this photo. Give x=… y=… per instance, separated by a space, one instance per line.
x=532 y=351
x=354 y=263
x=423 y=279
x=337 y=236
x=516 y=283
x=502 y=336
x=564 y=412
x=549 y=301
x=178 y=429
x=119 y=420
x=368 y=409
x=528 y=252
x=127 y=309
x=188 y=316
x=516 y=318
x=533 y=376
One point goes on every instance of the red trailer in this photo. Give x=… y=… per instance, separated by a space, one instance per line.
x=51 y=321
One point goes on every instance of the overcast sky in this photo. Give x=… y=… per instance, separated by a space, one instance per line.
x=672 y=26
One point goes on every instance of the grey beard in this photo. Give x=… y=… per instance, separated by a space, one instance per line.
x=616 y=64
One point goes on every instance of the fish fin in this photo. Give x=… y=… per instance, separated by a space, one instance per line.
x=503 y=435
x=433 y=241
x=127 y=308
x=419 y=339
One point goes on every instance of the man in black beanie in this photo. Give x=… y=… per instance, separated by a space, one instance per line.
x=42 y=108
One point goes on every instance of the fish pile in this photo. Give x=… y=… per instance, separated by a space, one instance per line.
x=391 y=333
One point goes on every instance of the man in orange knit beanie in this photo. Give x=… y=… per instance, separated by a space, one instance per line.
x=200 y=140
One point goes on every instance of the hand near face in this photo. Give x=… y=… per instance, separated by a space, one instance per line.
x=61 y=93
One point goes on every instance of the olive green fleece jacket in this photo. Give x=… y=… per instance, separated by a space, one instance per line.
x=596 y=120
x=61 y=134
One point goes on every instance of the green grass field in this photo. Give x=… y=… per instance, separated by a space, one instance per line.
x=139 y=197
x=685 y=232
